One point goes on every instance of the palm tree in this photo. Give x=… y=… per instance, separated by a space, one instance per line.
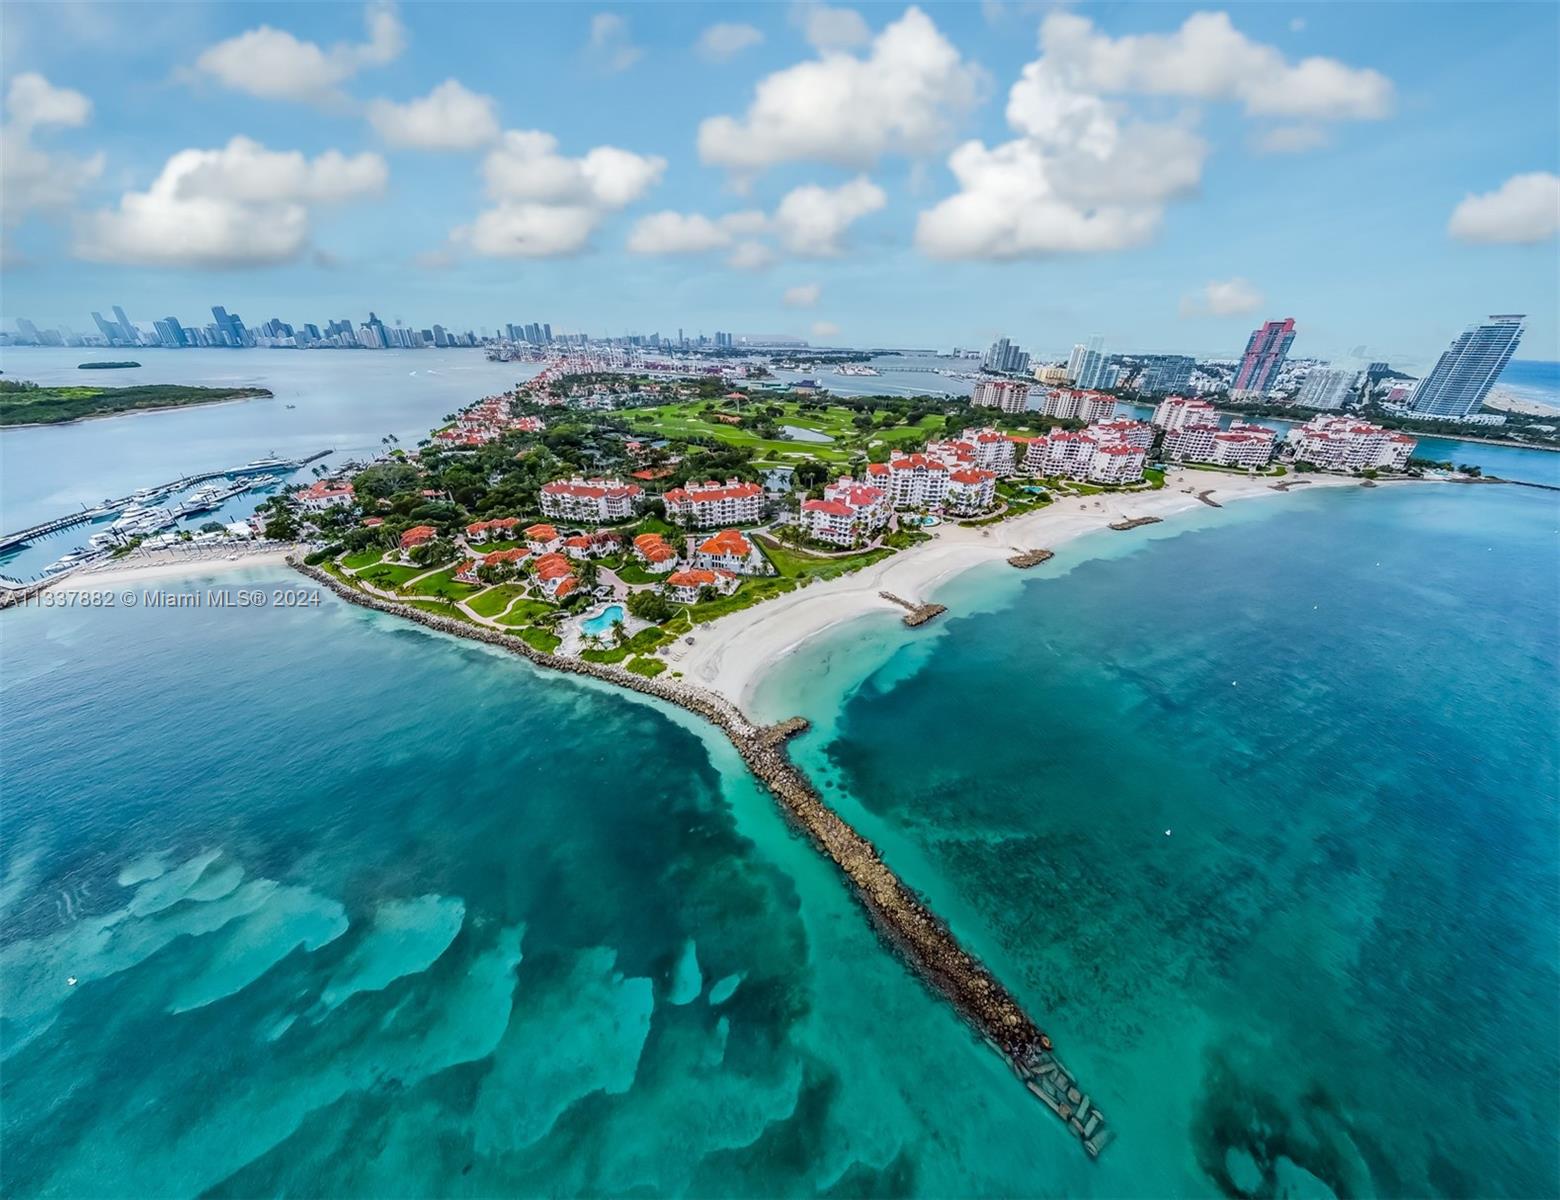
x=619 y=631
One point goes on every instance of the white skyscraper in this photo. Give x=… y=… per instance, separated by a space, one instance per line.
x=1464 y=375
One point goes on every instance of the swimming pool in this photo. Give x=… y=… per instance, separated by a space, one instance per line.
x=601 y=624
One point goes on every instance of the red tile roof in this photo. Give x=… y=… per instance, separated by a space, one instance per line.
x=691 y=577
x=727 y=542
x=417 y=535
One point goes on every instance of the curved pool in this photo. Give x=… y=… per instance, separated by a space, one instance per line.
x=601 y=624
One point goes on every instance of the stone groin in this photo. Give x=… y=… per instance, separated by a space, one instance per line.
x=1287 y=484
x=900 y=916
x=1206 y=496
x=915 y=614
x=1134 y=522
x=1030 y=558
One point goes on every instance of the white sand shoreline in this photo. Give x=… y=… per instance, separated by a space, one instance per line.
x=732 y=655
x=173 y=564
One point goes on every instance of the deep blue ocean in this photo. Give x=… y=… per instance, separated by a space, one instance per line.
x=355 y=909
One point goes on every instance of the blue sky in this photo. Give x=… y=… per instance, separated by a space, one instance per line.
x=1163 y=175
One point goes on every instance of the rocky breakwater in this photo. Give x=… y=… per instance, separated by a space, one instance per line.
x=915 y=614
x=920 y=936
x=1134 y=522
x=1030 y=558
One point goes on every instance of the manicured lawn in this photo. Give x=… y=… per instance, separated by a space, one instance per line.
x=493 y=601
x=524 y=612
x=490 y=547
x=446 y=585
x=633 y=572
x=793 y=564
x=363 y=558
x=540 y=639
x=390 y=575
x=649 y=667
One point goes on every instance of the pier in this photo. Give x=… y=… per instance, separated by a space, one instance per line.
x=918 y=934
x=282 y=465
x=915 y=614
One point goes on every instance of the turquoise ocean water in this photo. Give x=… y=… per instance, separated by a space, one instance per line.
x=355 y=909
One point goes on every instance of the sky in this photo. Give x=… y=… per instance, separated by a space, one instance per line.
x=1164 y=176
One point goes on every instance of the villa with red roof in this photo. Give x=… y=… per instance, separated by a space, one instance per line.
x=594 y=500
x=320 y=495
x=418 y=535
x=729 y=551
x=555 y=575
x=501 y=527
x=704 y=505
x=655 y=552
x=542 y=538
x=684 y=586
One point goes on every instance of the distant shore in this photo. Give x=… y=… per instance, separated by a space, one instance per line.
x=730 y=656
x=104 y=401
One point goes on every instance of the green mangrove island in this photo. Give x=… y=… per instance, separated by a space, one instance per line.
x=25 y=403
x=104 y=366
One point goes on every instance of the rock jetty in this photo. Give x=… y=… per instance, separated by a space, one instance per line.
x=1134 y=522
x=900 y=916
x=1030 y=558
x=915 y=614
x=1206 y=496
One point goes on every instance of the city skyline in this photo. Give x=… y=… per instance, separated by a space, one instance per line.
x=655 y=160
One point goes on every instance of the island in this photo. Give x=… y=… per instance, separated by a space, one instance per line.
x=25 y=403
x=104 y=366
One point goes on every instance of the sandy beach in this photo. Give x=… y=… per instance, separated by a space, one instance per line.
x=732 y=654
x=172 y=563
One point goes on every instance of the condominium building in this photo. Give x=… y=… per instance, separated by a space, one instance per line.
x=1190 y=443
x=1464 y=374
x=986 y=448
x=1243 y=445
x=1175 y=411
x=912 y=480
x=707 y=505
x=591 y=499
x=1008 y=395
x=971 y=490
x=1116 y=462
x=1345 y=444
x=1325 y=388
x=1123 y=429
x=1266 y=350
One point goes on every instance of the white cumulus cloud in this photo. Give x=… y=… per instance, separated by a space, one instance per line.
x=1222 y=298
x=727 y=39
x=275 y=65
x=1290 y=139
x=750 y=256
x=32 y=179
x=611 y=47
x=666 y=233
x=240 y=206
x=905 y=95
x=1086 y=173
x=803 y=295
x=1524 y=209
x=450 y=117
x=812 y=219
x=827 y=28
x=546 y=204
x=1207 y=58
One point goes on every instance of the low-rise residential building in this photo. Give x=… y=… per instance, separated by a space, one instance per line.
x=1175 y=411
x=467 y=572
x=710 y=504
x=514 y=557
x=323 y=494
x=542 y=538
x=555 y=575
x=687 y=585
x=495 y=530
x=1007 y=395
x=417 y=535
x=971 y=490
x=655 y=552
x=728 y=550
x=1335 y=443
x=594 y=500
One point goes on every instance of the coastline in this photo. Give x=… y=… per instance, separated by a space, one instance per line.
x=173 y=563
x=732 y=655
x=143 y=410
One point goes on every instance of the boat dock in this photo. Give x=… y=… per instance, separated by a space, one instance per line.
x=259 y=467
